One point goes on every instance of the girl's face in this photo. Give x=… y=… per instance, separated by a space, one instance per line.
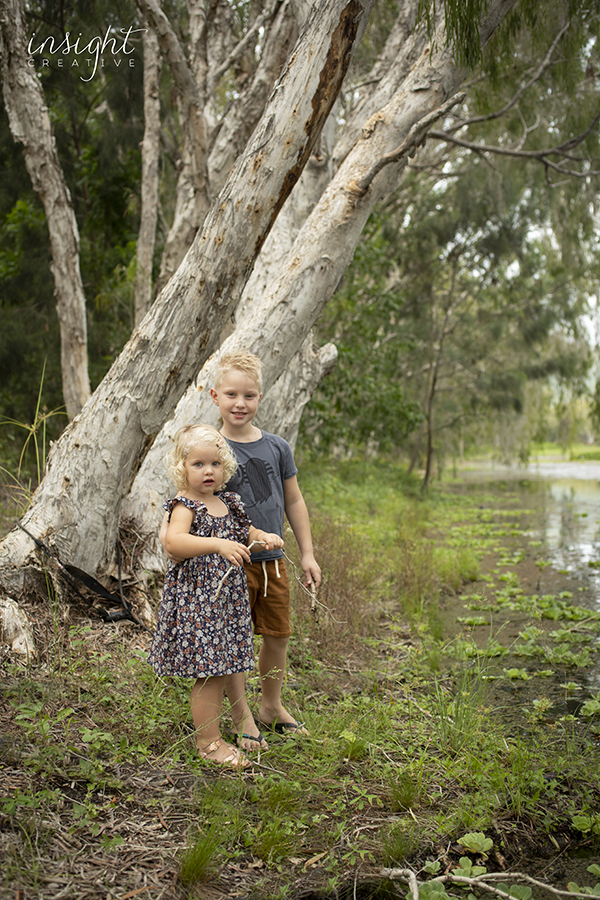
x=204 y=470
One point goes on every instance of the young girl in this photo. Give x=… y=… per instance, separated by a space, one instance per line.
x=204 y=628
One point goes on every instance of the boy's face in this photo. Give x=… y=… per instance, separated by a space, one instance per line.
x=237 y=398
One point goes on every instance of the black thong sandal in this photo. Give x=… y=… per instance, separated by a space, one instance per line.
x=256 y=739
x=287 y=728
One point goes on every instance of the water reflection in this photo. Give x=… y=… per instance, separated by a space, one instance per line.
x=566 y=496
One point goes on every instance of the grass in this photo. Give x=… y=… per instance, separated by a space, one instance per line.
x=409 y=749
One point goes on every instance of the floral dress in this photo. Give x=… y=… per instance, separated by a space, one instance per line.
x=200 y=634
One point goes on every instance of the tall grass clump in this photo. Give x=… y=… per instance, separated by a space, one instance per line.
x=455 y=565
x=376 y=544
x=350 y=588
x=198 y=860
x=24 y=449
x=460 y=714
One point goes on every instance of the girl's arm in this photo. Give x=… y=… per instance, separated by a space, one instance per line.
x=180 y=544
x=270 y=541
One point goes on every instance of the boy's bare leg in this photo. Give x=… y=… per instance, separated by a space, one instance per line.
x=271 y=663
x=243 y=720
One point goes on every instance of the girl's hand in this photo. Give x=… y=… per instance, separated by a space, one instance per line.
x=233 y=552
x=270 y=541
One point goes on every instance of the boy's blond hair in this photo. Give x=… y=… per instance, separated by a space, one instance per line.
x=188 y=437
x=243 y=361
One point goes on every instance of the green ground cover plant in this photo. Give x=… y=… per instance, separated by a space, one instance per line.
x=418 y=757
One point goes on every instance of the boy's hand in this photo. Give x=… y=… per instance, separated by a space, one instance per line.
x=311 y=571
x=233 y=552
x=270 y=541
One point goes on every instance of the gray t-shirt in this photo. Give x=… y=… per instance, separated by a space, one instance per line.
x=263 y=466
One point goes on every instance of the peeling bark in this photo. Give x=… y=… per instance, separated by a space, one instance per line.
x=150 y=160
x=15 y=631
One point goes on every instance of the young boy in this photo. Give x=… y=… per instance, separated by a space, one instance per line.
x=267 y=483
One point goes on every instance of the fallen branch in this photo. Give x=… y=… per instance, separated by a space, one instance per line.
x=480 y=882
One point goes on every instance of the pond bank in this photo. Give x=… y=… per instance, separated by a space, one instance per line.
x=532 y=621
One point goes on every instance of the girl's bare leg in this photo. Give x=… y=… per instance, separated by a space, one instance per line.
x=206 y=703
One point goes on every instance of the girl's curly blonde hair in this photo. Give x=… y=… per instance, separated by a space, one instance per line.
x=190 y=436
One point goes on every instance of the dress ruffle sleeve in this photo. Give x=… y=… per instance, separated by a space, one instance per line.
x=197 y=508
x=238 y=513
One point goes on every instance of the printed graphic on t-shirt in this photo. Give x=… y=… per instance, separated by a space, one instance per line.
x=256 y=475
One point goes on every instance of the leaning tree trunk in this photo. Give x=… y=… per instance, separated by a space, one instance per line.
x=311 y=271
x=30 y=125
x=406 y=43
x=90 y=469
x=152 y=485
x=150 y=160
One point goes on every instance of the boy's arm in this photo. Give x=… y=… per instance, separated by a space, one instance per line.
x=297 y=515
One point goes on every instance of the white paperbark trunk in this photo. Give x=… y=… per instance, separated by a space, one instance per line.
x=150 y=160
x=90 y=469
x=282 y=406
x=30 y=125
x=152 y=484
x=280 y=318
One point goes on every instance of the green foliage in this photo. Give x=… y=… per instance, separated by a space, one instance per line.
x=399 y=763
x=462 y=26
x=476 y=842
x=519 y=891
x=199 y=857
x=98 y=126
x=466 y=294
x=448 y=313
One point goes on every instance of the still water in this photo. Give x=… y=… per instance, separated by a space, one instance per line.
x=566 y=498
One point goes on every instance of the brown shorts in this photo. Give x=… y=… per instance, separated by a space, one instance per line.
x=270 y=614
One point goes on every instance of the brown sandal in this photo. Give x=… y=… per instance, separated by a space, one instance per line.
x=235 y=759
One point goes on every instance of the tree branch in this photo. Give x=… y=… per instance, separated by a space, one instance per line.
x=540 y=155
x=535 y=77
x=478 y=882
x=414 y=138
x=241 y=46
